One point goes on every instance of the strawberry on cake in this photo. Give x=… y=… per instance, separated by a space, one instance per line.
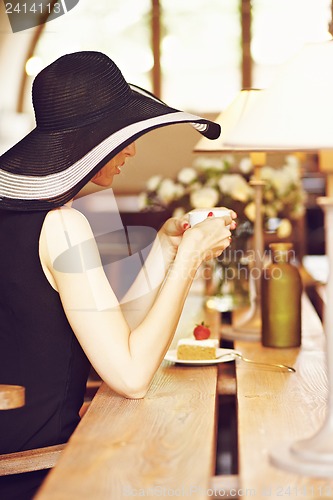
x=201 y=347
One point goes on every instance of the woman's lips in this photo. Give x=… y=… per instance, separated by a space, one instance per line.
x=118 y=168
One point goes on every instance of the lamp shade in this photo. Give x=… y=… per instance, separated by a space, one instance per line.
x=228 y=120
x=296 y=111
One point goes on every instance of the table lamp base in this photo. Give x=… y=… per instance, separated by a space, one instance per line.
x=285 y=458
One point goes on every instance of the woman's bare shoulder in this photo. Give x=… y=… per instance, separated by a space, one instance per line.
x=67 y=220
x=68 y=215
x=65 y=228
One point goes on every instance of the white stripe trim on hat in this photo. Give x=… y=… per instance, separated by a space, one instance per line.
x=201 y=127
x=23 y=187
x=141 y=91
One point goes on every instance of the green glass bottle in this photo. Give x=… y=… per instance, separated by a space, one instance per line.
x=281 y=292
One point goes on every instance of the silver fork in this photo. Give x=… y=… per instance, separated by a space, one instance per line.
x=276 y=365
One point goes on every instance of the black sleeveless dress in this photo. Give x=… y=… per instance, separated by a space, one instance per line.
x=38 y=348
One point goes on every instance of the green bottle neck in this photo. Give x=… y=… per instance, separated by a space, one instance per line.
x=281 y=252
x=280 y=256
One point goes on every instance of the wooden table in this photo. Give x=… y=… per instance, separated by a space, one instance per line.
x=164 y=445
x=277 y=408
x=124 y=447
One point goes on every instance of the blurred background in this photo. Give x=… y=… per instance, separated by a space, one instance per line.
x=194 y=54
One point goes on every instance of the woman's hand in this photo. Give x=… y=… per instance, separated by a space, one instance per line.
x=173 y=229
x=208 y=239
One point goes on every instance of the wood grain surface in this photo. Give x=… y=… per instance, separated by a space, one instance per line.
x=11 y=396
x=278 y=408
x=164 y=445
x=30 y=460
x=156 y=446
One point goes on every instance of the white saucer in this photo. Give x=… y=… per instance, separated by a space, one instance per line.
x=222 y=356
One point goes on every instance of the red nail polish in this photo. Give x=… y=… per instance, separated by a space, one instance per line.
x=186 y=225
x=210 y=214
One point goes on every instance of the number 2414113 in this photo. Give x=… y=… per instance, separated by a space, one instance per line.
x=35 y=8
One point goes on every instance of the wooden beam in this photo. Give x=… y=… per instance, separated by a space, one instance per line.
x=246 y=44
x=156 y=38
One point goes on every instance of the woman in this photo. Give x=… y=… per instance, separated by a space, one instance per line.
x=58 y=312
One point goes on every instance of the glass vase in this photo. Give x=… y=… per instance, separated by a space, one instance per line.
x=227 y=277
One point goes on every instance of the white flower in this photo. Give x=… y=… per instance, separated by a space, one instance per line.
x=278 y=178
x=293 y=172
x=167 y=190
x=142 y=201
x=235 y=186
x=245 y=165
x=153 y=182
x=187 y=175
x=195 y=186
x=203 y=163
x=298 y=211
x=250 y=211
x=285 y=228
x=212 y=182
x=266 y=173
x=228 y=159
x=204 y=198
x=208 y=183
x=178 y=212
x=292 y=160
x=268 y=195
x=278 y=205
x=179 y=190
x=270 y=211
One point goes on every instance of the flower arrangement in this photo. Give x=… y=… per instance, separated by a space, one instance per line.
x=224 y=182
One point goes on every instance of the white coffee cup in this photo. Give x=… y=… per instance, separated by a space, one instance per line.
x=200 y=214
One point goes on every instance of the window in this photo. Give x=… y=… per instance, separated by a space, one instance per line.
x=279 y=30
x=200 y=53
x=196 y=54
x=121 y=30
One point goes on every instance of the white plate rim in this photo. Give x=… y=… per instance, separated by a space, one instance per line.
x=171 y=355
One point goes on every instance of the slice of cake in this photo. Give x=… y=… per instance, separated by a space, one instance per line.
x=191 y=349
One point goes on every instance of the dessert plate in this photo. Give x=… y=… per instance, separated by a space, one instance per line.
x=222 y=356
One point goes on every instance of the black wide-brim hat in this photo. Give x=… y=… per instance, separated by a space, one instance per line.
x=86 y=113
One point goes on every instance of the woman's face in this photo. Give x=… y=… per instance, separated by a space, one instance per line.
x=105 y=176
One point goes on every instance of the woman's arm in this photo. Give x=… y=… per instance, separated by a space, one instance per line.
x=140 y=297
x=125 y=359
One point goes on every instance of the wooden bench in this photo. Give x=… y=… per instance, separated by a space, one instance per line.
x=11 y=396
